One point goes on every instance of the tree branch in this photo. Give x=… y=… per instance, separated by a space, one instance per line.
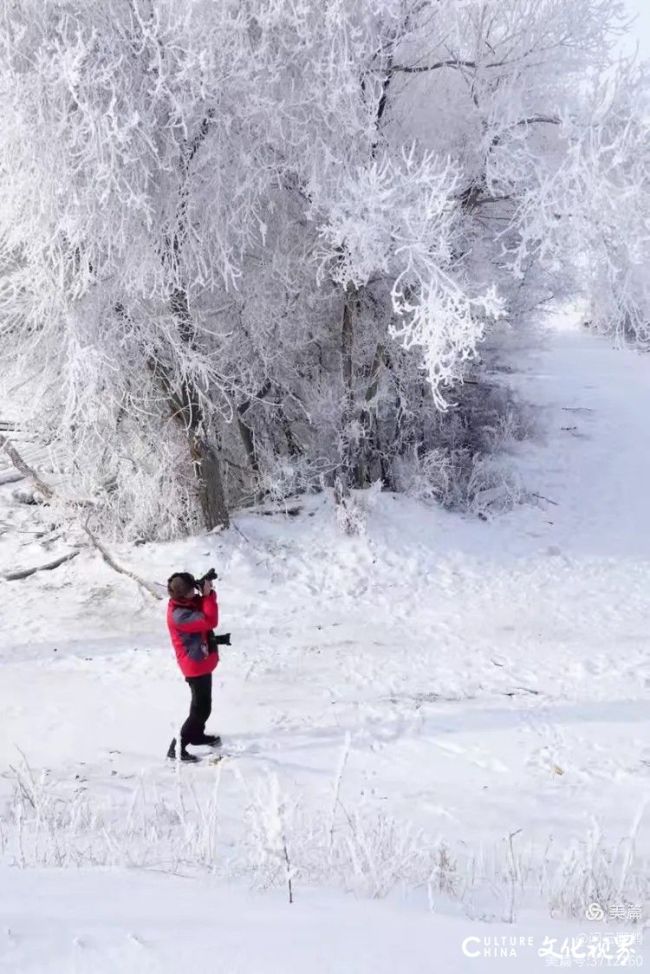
x=451 y=63
x=48 y=566
x=534 y=119
x=108 y=558
x=25 y=468
x=458 y=63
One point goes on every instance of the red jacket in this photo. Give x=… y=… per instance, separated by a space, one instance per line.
x=189 y=621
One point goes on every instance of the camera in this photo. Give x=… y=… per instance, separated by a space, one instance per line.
x=215 y=640
x=210 y=576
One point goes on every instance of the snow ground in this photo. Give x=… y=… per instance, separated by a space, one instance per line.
x=474 y=680
x=107 y=922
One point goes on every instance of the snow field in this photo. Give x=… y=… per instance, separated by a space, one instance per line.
x=442 y=708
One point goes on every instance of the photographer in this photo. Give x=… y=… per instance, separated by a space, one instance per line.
x=191 y=617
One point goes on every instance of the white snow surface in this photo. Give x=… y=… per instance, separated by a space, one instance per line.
x=453 y=681
x=116 y=923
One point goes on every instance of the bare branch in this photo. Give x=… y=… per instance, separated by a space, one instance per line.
x=108 y=558
x=48 y=566
x=451 y=63
x=24 y=468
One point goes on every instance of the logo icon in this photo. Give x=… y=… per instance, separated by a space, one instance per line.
x=594 y=912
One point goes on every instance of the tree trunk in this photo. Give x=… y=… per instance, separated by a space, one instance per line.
x=186 y=410
x=344 y=473
x=247 y=439
x=205 y=460
x=245 y=430
x=186 y=401
x=370 y=461
x=210 y=492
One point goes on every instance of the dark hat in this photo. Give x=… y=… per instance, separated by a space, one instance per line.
x=181 y=585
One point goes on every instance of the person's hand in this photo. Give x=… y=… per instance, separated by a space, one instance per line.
x=207 y=588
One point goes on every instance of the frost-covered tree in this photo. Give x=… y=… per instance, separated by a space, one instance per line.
x=599 y=206
x=249 y=247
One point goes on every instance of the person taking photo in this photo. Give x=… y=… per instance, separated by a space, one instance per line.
x=191 y=617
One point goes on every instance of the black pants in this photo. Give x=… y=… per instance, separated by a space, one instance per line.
x=193 y=729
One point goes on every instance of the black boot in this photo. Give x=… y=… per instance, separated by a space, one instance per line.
x=212 y=739
x=185 y=754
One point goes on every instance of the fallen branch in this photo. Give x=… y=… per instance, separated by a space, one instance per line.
x=292 y=511
x=11 y=477
x=26 y=572
x=49 y=493
x=108 y=558
x=288 y=511
x=542 y=498
x=24 y=468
